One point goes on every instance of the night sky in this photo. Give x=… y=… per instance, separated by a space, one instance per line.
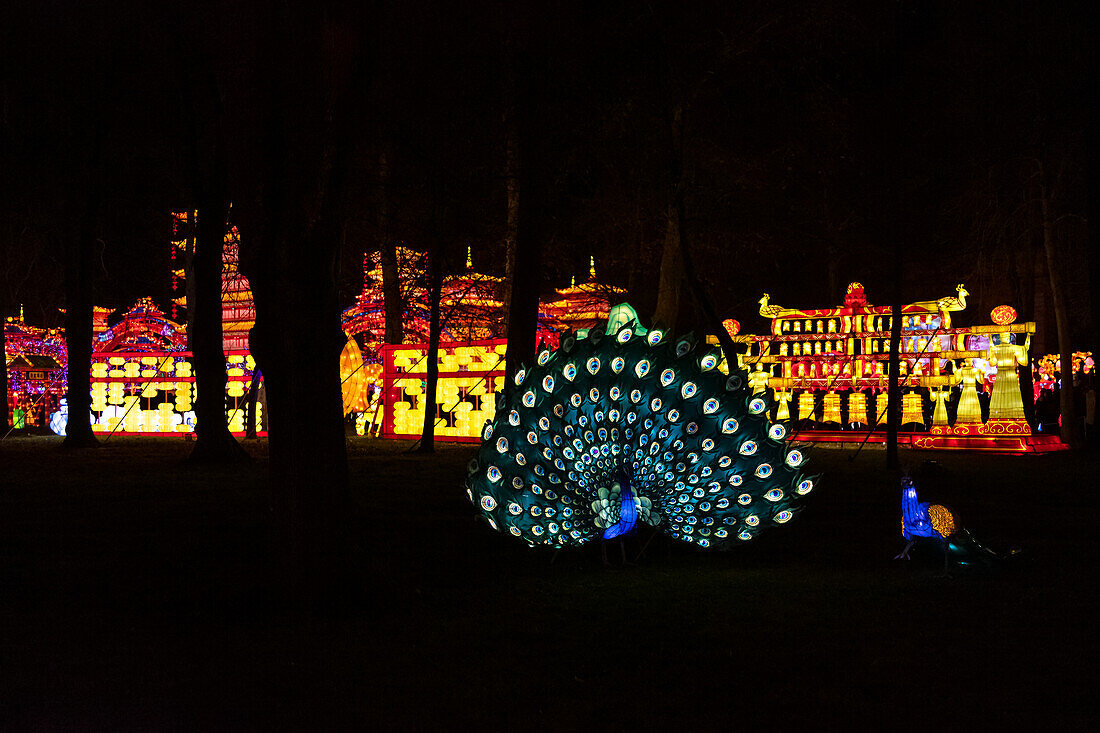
x=821 y=141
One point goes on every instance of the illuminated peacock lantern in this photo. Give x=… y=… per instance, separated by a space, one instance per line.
x=620 y=426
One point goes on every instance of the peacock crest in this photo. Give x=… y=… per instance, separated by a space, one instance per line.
x=621 y=426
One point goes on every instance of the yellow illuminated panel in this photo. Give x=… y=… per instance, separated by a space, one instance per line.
x=470 y=375
x=143 y=393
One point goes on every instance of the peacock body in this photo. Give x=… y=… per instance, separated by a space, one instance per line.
x=622 y=426
x=923 y=520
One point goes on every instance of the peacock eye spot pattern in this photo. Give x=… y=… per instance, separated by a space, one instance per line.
x=659 y=438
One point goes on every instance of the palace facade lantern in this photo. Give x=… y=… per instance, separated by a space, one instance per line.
x=836 y=363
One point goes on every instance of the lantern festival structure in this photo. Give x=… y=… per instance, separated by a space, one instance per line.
x=472 y=370
x=386 y=395
x=36 y=360
x=1047 y=369
x=365 y=320
x=142 y=375
x=826 y=370
x=580 y=307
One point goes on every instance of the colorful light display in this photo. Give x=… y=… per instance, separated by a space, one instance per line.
x=143 y=328
x=36 y=362
x=627 y=427
x=470 y=376
x=153 y=393
x=836 y=360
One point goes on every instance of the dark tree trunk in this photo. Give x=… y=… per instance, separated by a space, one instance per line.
x=79 y=261
x=893 y=398
x=292 y=220
x=523 y=310
x=511 y=178
x=251 y=400
x=1061 y=321
x=431 y=381
x=391 y=279
x=213 y=442
x=702 y=299
x=672 y=261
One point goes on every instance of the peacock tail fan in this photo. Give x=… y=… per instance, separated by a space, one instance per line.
x=624 y=426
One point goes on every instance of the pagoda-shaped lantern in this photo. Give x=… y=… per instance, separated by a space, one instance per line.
x=583 y=305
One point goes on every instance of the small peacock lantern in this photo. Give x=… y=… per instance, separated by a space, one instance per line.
x=622 y=426
x=935 y=522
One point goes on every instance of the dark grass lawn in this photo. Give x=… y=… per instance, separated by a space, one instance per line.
x=136 y=594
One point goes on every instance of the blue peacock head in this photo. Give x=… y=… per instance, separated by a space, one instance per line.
x=623 y=426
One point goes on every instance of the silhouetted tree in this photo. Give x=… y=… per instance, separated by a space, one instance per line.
x=293 y=187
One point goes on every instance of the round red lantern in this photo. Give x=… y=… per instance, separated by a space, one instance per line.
x=1003 y=315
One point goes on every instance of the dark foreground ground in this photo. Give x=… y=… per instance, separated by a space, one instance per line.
x=135 y=594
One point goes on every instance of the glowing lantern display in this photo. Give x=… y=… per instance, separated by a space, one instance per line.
x=842 y=354
x=470 y=375
x=152 y=393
